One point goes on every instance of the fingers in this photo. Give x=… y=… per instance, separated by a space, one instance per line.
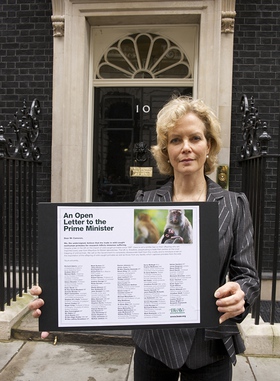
x=227 y=289
x=35 y=290
x=231 y=311
x=44 y=335
x=231 y=304
x=230 y=301
x=35 y=306
x=36 y=313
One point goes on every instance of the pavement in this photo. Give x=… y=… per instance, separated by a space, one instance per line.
x=93 y=356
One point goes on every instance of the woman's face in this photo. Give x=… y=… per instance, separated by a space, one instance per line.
x=187 y=146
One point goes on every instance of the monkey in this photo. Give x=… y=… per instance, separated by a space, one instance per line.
x=146 y=229
x=170 y=237
x=177 y=221
x=167 y=235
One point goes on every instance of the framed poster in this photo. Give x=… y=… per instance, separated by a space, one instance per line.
x=128 y=265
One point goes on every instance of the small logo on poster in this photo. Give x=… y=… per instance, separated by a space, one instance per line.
x=177 y=311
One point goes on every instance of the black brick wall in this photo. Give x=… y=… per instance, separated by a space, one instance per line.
x=26 y=70
x=256 y=72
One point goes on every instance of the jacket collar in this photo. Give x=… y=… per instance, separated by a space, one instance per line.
x=166 y=190
x=214 y=191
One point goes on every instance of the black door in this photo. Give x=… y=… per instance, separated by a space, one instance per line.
x=124 y=130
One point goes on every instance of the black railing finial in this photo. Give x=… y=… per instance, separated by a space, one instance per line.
x=254 y=144
x=26 y=127
x=264 y=139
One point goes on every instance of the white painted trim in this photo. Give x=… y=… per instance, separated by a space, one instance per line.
x=73 y=82
x=142 y=83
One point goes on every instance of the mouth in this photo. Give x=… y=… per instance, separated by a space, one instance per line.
x=187 y=160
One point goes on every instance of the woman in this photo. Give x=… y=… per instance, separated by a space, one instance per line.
x=188 y=141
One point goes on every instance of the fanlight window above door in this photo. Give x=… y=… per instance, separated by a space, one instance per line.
x=144 y=55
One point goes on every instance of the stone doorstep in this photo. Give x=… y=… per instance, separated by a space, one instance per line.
x=17 y=322
x=13 y=314
x=262 y=339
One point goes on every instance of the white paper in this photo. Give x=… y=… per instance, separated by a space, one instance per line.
x=106 y=279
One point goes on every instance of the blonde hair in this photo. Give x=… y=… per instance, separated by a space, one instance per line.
x=167 y=119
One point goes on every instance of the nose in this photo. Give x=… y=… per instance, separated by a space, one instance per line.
x=186 y=146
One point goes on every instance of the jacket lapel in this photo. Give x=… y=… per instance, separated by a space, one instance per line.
x=164 y=193
x=218 y=194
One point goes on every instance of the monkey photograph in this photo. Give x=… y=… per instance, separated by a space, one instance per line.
x=146 y=230
x=163 y=226
x=179 y=224
x=169 y=236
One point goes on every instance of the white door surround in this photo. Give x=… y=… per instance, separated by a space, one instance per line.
x=73 y=22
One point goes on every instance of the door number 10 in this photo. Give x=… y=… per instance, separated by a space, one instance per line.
x=146 y=109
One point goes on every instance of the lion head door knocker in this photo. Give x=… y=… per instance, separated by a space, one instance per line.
x=222 y=176
x=140 y=151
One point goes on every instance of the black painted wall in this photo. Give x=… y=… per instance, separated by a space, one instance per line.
x=26 y=60
x=256 y=72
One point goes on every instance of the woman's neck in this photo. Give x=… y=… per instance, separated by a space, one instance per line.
x=189 y=189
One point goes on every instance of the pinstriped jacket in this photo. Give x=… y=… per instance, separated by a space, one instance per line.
x=175 y=347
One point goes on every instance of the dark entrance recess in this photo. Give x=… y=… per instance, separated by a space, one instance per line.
x=124 y=131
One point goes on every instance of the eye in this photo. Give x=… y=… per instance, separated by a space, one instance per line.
x=174 y=140
x=196 y=137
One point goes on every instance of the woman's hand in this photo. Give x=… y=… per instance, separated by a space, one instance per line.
x=35 y=306
x=230 y=300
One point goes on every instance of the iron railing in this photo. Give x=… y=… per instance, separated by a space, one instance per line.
x=261 y=184
x=18 y=200
x=19 y=160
